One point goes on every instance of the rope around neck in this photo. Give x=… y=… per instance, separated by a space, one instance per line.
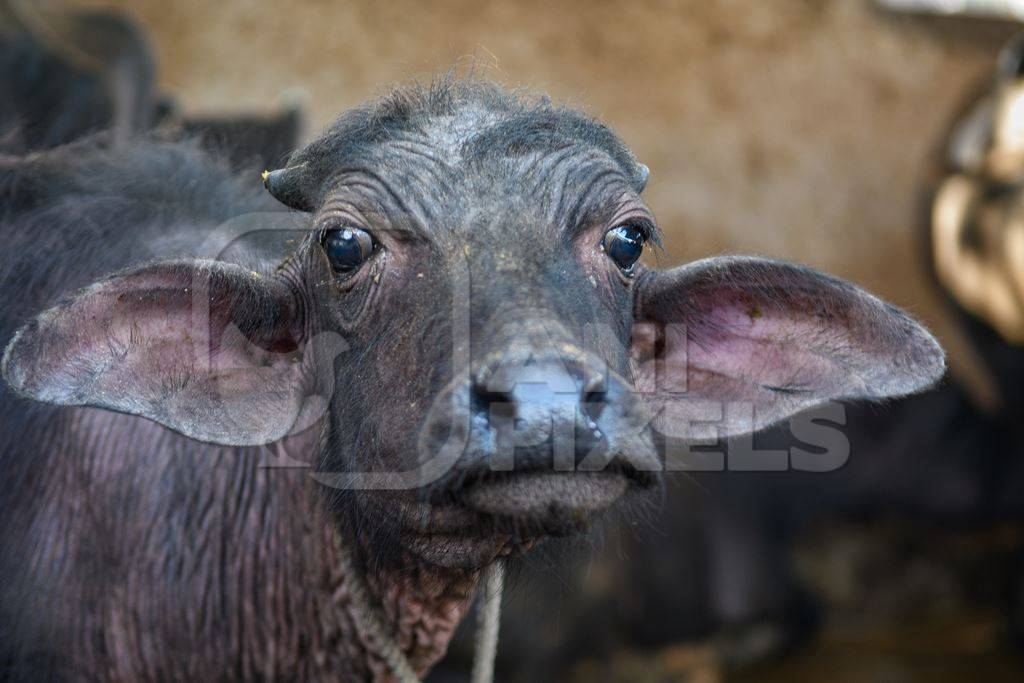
x=488 y=617
x=372 y=625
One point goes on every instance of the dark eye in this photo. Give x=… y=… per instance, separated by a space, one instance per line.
x=347 y=248
x=624 y=244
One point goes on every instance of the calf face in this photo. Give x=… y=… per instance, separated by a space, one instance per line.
x=465 y=330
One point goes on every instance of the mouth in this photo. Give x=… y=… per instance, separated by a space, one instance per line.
x=505 y=513
x=551 y=498
x=549 y=502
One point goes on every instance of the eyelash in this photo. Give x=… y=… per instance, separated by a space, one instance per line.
x=644 y=225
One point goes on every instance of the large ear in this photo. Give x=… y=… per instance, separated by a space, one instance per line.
x=206 y=348
x=758 y=340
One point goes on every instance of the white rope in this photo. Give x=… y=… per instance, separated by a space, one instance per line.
x=372 y=626
x=488 y=619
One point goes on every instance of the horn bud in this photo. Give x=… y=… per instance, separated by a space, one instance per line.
x=285 y=185
x=641 y=176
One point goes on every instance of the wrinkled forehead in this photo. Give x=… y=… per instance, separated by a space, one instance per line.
x=480 y=152
x=466 y=147
x=478 y=164
x=474 y=136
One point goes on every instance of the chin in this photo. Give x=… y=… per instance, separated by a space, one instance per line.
x=504 y=514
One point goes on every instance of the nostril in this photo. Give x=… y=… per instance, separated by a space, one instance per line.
x=537 y=392
x=594 y=394
x=593 y=404
x=493 y=404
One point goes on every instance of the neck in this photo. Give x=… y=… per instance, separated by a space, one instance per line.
x=403 y=617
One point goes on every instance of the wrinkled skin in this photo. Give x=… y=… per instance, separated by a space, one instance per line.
x=159 y=547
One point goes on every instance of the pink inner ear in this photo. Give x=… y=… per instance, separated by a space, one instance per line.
x=734 y=350
x=794 y=354
x=190 y=345
x=777 y=337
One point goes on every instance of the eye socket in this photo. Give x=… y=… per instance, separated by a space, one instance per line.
x=347 y=248
x=624 y=244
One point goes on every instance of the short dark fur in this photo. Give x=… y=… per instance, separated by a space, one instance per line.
x=152 y=555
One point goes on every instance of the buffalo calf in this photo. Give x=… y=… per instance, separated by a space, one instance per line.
x=293 y=458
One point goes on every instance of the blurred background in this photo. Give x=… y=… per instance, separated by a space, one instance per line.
x=812 y=130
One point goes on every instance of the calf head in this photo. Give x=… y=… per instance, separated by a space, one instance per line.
x=469 y=303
